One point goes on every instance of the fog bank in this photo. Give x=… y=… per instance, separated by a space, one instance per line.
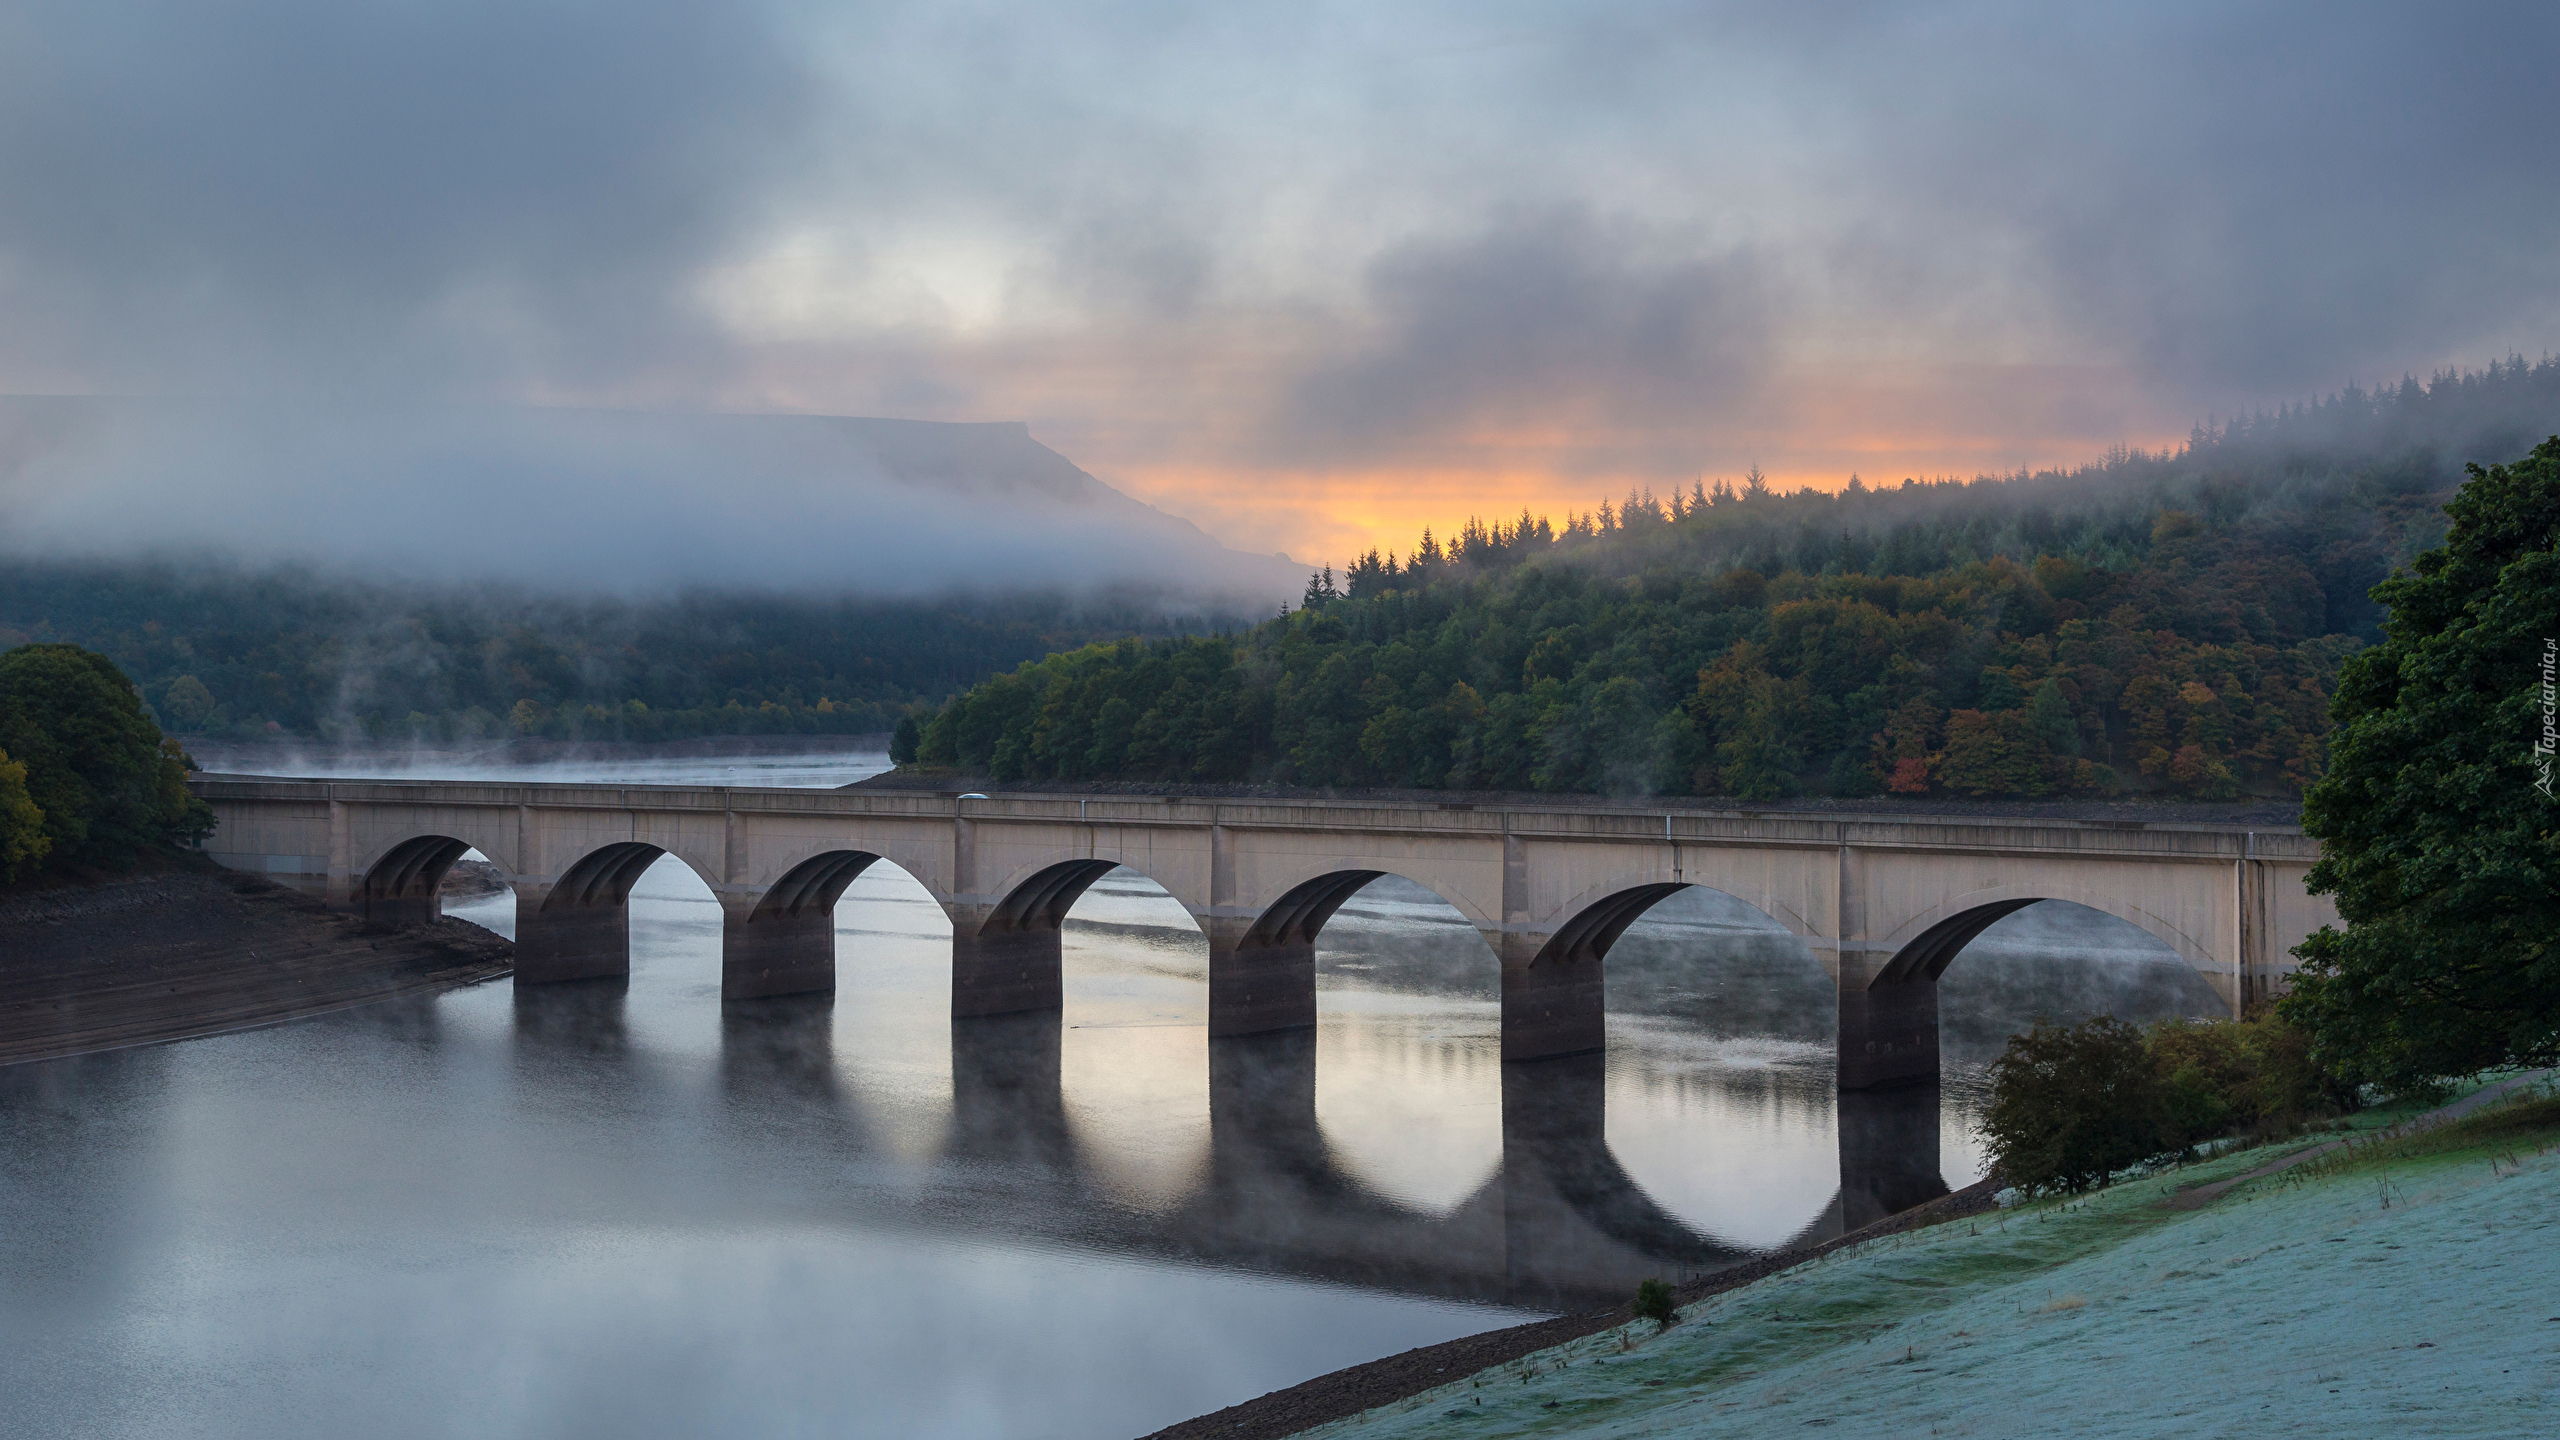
x=595 y=500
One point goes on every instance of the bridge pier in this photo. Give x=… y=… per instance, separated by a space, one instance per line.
x=1551 y=1008
x=1889 y=1007
x=579 y=926
x=556 y=942
x=1888 y=1032
x=1259 y=986
x=1005 y=971
x=765 y=954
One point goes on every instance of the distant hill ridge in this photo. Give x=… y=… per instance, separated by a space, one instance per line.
x=455 y=575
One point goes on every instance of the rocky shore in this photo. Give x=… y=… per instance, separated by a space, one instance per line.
x=195 y=951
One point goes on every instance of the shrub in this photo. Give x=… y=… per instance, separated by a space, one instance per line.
x=1654 y=1303
x=2071 y=1105
x=2258 y=1074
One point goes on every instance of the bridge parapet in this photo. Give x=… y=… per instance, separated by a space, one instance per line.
x=1881 y=900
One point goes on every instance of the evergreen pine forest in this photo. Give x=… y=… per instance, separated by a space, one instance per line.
x=2168 y=623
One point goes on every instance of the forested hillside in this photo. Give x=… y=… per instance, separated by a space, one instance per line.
x=242 y=653
x=2158 y=622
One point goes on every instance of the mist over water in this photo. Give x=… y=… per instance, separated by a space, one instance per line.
x=627 y=1209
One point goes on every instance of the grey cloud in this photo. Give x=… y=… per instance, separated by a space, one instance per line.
x=1539 y=317
x=2246 y=202
x=1623 y=226
x=282 y=193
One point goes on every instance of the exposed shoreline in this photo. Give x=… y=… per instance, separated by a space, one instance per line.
x=186 y=952
x=1347 y=1392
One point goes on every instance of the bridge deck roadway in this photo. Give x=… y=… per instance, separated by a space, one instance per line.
x=1884 y=901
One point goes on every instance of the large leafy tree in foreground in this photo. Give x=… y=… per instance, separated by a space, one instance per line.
x=2439 y=826
x=102 y=782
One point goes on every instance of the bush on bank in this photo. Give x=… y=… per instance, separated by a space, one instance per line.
x=86 y=778
x=2073 y=1104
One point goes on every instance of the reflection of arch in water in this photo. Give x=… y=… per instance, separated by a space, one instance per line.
x=778 y=1069
x=1559 y=1224
x=1889 y=1157
x=583 y=1023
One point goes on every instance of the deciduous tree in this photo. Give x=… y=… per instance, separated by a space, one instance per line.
x=2439 y=828
x=95 y=764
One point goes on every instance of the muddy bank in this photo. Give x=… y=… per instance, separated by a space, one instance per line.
x=166 y=956
x=1379 y=1382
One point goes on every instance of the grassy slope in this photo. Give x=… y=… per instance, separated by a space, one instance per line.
x=2296 y=1305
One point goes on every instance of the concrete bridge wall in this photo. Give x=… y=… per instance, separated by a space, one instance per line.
x=1884 y=902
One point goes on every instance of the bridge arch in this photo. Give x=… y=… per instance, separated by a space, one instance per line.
x=1006 y=952
x=811 y=886
x=400 y=860
x=400 y=886
x=577 y=925
x=1590 y=922
x=1262 y=966
x=1554 y=1000
x=782 y=940
x=1924 y=945
x=773 y=865
x=1889 y=1002
x=1271 y=884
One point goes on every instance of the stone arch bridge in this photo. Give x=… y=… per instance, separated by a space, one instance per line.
x=1884 y=902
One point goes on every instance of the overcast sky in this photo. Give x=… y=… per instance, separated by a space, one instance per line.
x=1308 y=275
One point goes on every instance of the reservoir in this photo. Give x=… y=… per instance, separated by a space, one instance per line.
x=626 y=1209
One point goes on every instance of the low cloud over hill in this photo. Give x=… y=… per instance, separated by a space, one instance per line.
x=620 y=501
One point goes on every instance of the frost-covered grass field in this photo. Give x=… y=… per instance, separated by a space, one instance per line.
x=2405 y=1287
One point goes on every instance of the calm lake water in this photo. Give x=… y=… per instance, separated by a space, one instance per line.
x=625 y=1210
